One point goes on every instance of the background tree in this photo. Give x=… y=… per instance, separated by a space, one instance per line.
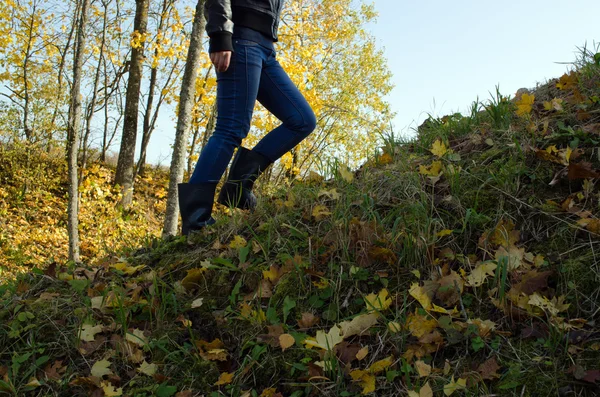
x=186 y=103
x=124 y=174
x=74 y=134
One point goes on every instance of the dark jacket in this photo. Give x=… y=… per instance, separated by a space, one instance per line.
x=222 y=15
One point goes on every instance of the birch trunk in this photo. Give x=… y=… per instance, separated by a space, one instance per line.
x=74 y=133
x=186 y=99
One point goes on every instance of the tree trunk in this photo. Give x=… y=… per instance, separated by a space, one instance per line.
x=147 y=130
x=92 y=106
x=124 y=174
x=73 y=132
x=186 y=99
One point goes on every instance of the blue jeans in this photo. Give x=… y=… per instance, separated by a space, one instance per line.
x=254 y=73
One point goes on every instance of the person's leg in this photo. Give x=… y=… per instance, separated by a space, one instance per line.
x=279 y=95
x=237 y=89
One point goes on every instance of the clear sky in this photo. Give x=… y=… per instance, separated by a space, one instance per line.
x=444 y=54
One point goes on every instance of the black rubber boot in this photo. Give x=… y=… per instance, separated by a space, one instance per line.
x=246 y=167
x=195 y=205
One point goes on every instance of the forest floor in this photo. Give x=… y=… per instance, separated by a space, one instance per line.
x=464 y=262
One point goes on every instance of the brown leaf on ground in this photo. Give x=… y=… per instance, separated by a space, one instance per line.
x=272 y=337
x=87 y=348
x=54 y=371
x=346 y=352
x=451 y=287
x=308 y=320
x=488 y=369
x=582 y=170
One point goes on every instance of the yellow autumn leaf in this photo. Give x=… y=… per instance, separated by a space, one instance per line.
x=224 y=379
x=379 y=302
x=423 y=369
x=438 y=148
x=193 y=278
x=88 y=332
x=147 y=369
x=365 y=379
x=346 y=174
x=270 y=392
x=325 y=341
x=444 y=233
x=433 y=170
x=362 y=353
x=101 y=368
x=425 y=391
x=481 y=273
x=394 y=327
x=420 y=295
x=286 y=341
x=320 y=211
x=238 y=242
x=419 y=325
x=453 y=386
x=137 y=337
x=110 y=391
x=125 y=268
x=358 y=325
x=525 y=104
x=381 y=365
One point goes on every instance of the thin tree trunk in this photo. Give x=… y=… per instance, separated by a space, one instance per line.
x=61 y=68
x=73 y=142
x=124 y=174
x=147 y=131
x=186 y=99
x=91 y=109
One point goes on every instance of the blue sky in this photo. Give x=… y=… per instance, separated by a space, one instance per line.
x=444 y=54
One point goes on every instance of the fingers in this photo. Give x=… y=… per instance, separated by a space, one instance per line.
x=221 y=60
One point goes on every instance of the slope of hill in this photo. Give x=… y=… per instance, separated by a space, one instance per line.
x=461 y=263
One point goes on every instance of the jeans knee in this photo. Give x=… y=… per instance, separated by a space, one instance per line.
x=303 y=122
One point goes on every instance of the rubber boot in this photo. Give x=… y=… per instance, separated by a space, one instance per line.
x=246 y=167
x=195 y=205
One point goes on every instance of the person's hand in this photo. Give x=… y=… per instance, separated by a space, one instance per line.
x=221 y=60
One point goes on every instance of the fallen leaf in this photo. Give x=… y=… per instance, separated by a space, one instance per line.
x=423 y=369
x=147 y=369
x=88 y=332
x=346 y=174
x=420 y=294
x=379 y=302
x=308 y=320
x=238 y=242
x=325 y=341
x=362 y=353
x=286 y=341
x=419 y=325
x=365 y=379
x=225 y=378
x=453 y=386
x=358 y=325
x=137 y=337
x=525 y=104
x=488 y=370
x=197 y=303
x=320 y=212
x=438 y=148
x=101 y=368
x=193 y=278
x=213 y=351
x=110 y=391
x=481 y=273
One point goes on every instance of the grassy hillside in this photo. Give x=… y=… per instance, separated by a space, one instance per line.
x=461 y=263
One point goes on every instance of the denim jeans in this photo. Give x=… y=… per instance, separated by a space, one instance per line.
x=253 y=74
